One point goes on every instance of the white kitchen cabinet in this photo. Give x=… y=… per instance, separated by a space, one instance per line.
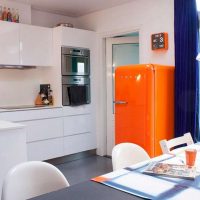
x=12 y=147
x=77 y=110
x=44 y=129
x=45 y=149
x=31 y=114
x=78 y=143
x=78 y=37
x=27 y=45
x=9 y=43
x=77 y=124
x=36 y=45
x=55 y=132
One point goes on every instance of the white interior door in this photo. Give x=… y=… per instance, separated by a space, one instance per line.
x=119 y=51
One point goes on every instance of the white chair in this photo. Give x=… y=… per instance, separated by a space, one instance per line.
x=126 y=154
x=167 y=146
x=31 y=179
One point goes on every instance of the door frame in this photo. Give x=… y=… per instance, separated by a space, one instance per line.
x=101 y=107
x=110 y=128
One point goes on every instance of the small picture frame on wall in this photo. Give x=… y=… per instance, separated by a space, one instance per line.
x=159 y=41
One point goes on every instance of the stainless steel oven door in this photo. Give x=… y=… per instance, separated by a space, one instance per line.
x=75 y=91
x=75 y=62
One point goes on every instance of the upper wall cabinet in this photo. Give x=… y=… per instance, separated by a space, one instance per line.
x=77 y=37
x=9 y=43
x=35 y=45
x=22 y=44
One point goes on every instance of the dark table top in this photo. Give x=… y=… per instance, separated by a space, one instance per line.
x=88 y=190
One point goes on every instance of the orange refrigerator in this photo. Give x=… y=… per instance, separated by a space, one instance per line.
x=144 y=105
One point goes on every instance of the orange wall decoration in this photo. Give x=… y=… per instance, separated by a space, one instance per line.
x=159 y=41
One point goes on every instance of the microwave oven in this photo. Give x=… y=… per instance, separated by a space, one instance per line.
x=75 y=61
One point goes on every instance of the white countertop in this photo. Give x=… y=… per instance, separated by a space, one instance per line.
x=33 y=108
x=6 y=125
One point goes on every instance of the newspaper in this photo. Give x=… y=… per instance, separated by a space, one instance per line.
x=172 y=170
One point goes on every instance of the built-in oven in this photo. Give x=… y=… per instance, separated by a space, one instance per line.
x=75 y=61
x=75 y=90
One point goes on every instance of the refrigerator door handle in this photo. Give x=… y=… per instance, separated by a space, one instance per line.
x=120 y=102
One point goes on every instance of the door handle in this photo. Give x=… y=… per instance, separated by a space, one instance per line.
x=120 y=102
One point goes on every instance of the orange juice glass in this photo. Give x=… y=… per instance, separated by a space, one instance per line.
x=190 y=155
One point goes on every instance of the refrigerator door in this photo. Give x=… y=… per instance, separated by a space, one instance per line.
x=134 y=106
x=164 y=105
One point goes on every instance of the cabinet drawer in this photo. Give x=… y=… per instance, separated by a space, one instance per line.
x=27 y=115
x=77 y=110
x=44 y=129
x=77 y=124
x=46 y=149
x=78 y=143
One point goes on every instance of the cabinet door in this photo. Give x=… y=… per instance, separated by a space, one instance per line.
x=9 y=43
x=77 y=124
x=45 y=149
x=79 y=143
x=35 y=45
x=44 y=129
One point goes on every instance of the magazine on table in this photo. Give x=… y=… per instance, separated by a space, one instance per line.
x=172 y=170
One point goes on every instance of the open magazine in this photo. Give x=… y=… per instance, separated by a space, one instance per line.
x=172 y=170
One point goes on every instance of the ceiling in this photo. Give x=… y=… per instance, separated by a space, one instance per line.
x=73 y=8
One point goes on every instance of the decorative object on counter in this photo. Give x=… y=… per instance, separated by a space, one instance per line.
x=38 y=100
x=4 y=14
x=7 y=15
x=50 y=97
x=1 y=12
x=65 y=25
x=45 y=96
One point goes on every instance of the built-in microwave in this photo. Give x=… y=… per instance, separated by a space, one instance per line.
x=75 y=61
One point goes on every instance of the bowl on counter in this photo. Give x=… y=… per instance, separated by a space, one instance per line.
x=65 y=25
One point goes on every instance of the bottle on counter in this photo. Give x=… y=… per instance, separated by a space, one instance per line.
x=9 y=15
x=1 y=12
x=13 y=15
x=4 y=14
x=17 y=16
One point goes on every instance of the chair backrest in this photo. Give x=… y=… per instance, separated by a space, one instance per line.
x=166 y=146
x=31 y=179
x=126 y=154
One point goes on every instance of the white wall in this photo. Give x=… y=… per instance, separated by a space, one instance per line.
x=146 y=16
x=24 y=10
x=150 y=16
x=40 y=18
x=20 y=87
x=36 y=17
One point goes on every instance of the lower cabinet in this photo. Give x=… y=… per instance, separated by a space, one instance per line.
x=12 y=147
x=45 y=149
x=78 y=143
x=55 y=132
x=44 y=138
x=77 y=124
x=44 y=129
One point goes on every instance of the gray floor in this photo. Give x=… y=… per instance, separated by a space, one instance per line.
x=85 y=168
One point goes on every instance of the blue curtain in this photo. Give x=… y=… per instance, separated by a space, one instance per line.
x=186 y=28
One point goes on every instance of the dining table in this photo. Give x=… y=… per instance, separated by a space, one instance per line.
x=107 y=190
x=87 y=190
